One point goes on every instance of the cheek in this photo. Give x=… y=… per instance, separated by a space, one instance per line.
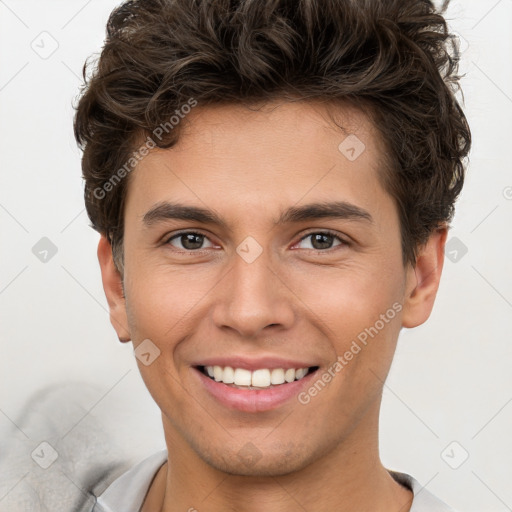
x=351 y=298
x=359 y=312
x=159 y=299
x=159 y=304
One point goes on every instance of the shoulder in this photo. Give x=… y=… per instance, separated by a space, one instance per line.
x=127 y=492
x=424 y=501
x=54 y=455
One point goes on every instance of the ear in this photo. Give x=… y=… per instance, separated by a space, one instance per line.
x=113 y=286
x=422 y=280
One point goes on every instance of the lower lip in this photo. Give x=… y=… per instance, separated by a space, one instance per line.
x=254 y=400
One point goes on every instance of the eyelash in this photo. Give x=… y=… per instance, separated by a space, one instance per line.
x=342 y=241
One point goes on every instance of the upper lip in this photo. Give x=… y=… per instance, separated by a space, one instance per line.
x=252 y=364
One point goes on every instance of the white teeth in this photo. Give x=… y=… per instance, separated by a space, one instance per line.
x=300 y=373
x=217 y=373
x=261 y=378
x=289 y=375
x=277 y=376
x=228 y=376
x=242 y=377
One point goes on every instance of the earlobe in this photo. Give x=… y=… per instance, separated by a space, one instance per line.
x=113 y=287
x=423 y=279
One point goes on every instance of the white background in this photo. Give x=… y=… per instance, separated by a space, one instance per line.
x=451 y=379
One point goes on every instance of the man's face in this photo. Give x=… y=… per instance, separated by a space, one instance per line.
x=253 y=287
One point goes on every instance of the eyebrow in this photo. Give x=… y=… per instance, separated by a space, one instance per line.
x=337 y=210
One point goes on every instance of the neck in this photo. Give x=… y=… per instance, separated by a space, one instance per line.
x=349 y=477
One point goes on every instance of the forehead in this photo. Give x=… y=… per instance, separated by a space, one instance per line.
x=311 y=126
x=275 y=153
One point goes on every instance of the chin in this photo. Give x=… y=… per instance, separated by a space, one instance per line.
x=250 y=461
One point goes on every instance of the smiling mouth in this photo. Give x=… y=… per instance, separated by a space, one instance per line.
x=257 y=380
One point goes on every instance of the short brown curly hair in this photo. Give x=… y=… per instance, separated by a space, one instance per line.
x=395 y=58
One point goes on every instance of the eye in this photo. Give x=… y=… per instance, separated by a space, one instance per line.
x=193 y=241
x=322 y=240
x=189 y=241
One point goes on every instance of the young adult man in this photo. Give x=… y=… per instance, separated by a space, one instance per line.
x=272 y=181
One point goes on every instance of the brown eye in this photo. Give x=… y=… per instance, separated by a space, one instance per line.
x=189 y=241
x=322 y=240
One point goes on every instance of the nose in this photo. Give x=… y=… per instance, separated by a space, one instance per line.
x=252 y=298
